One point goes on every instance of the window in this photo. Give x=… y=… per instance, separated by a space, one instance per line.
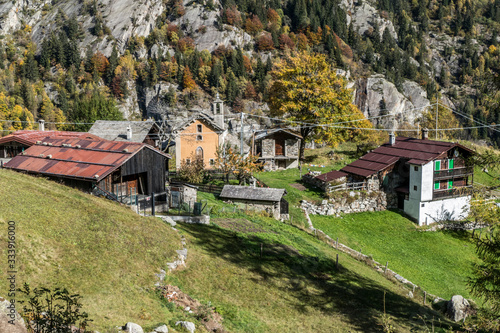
x=415 y=168
x=450 y=164
x=199 y=153
x=212 y=162
x=437 y=165
x=415 y=188
x=199 y=138
x=436 y=185
x=199 y=128
x=450 y=184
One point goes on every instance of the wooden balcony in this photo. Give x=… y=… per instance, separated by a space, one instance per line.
x=453 y=173
x=452 y=193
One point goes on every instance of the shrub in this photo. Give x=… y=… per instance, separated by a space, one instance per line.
x=53 y=310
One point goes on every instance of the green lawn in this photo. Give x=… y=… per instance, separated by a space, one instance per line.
x=439 y=262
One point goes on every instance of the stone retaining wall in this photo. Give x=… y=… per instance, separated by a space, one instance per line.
x=348 y=202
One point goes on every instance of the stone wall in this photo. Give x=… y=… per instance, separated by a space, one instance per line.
x=348 y=202
x=268 y=148
x=291 y=147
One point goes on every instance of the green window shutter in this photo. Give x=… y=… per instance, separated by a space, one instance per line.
x=450 y=164
x=437 y=165
x=450 y=183
x=436 y=185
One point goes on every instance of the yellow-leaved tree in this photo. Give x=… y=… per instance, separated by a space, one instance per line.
x=307 y=91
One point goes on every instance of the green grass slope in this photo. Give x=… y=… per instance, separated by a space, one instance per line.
x=294 y=286
x=92 y=246
x=440 y=262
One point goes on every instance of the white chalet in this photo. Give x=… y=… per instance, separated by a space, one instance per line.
x=429 y=180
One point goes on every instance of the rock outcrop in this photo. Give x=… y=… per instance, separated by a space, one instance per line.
x=400 y=107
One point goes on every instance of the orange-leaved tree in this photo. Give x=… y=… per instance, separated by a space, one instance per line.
x=229 y=161
x=307 y=91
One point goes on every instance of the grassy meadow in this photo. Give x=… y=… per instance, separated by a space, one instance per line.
x=91 y=246
x=440 y=262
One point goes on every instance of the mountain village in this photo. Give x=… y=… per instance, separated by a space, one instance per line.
x=249 y=166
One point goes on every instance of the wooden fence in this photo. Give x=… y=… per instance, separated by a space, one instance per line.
x=348 y=187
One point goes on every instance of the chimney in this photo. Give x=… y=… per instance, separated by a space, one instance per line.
x=41 y=125
x=425 y=134
x=129 y=133
x=392 y=138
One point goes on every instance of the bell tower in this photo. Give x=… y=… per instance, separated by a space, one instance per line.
x=218 y=110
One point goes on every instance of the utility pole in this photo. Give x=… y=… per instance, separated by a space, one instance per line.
x=241 y=135
x=437 y=119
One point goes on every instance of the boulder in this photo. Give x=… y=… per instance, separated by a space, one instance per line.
x=189 y=326
x=132 y=328
x=10 y=320
x=458 y=308
x=161 y=329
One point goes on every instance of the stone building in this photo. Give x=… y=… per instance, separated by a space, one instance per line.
x=148 y=131
x=265 y=199
x=277 y=148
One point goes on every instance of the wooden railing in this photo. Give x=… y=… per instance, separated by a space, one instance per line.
x=453 y=192
x=348 y=187
x=449 y=173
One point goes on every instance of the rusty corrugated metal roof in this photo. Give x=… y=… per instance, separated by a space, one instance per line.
x=29 y=137
x=76 y=158
x=417 y=151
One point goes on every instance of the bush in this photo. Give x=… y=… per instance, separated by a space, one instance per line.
x=192 y=171
x=53 y=310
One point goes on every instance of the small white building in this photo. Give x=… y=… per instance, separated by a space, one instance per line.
x=429 y=180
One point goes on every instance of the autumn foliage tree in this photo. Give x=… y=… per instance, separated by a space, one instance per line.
x=307 y=91
x=230 y=162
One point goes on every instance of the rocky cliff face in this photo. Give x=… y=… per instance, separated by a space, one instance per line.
x=126 y=18
x=377 y=97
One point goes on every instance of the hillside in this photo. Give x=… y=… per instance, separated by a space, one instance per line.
x=91 y=246
x=110 y=255
x=78 y=61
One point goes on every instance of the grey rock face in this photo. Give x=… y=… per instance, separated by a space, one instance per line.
x=404 y=107
x=458 y=308
x=189 y=326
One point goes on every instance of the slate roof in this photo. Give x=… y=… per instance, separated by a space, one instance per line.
x=76 y=158
x=266 y=133
x=201 y=117
x=29 y=138
x=117 y=130
x=329 y=176
x=252 y=193
x=416 y=151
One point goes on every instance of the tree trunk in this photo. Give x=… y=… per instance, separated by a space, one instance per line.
x=305 y=133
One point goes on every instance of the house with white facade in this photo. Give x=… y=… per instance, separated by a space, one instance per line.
x=429 y=180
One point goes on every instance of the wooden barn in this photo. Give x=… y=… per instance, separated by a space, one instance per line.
x=108 y=167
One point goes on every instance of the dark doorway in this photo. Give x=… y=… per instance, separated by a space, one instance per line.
x=279 y=144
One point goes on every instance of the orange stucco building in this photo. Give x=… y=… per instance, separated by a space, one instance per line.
x=198 y=137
